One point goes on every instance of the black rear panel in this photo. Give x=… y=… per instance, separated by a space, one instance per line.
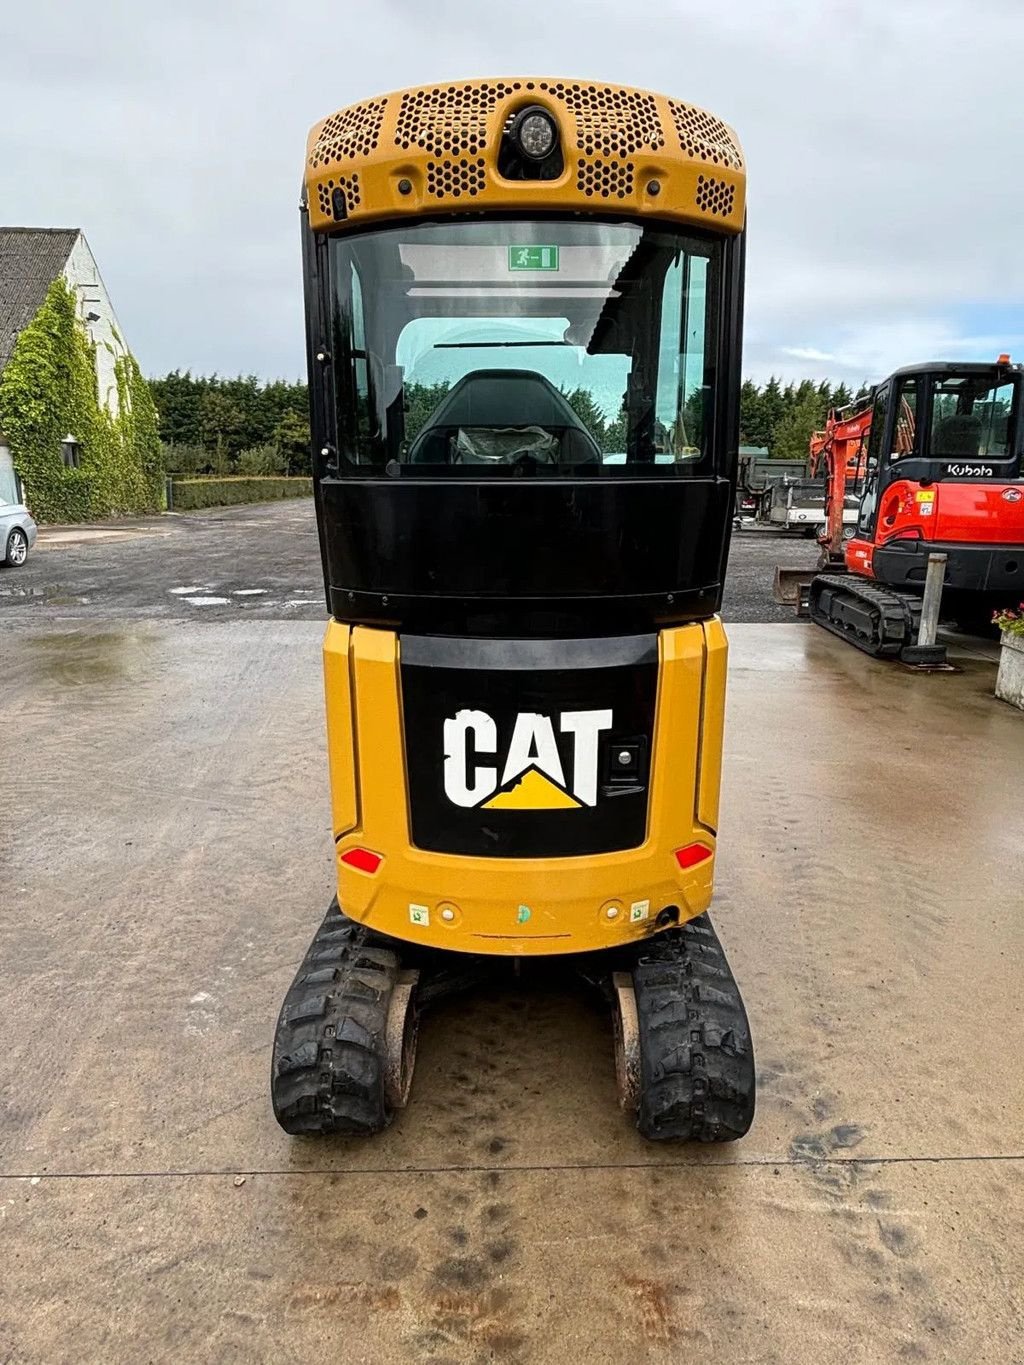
x=444 y=554
x=528 y=748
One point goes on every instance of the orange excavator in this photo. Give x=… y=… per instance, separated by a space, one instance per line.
x=935 y=461
x=838 y=455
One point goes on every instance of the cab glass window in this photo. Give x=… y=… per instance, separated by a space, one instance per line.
x=972 y=418
x=528 y=346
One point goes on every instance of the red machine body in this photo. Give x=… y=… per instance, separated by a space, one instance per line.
x=936 y=460
x=934 y=467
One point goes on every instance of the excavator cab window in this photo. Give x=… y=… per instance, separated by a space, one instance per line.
x=869 y=498
x=904 y=438
x=972 y=418
x=531 y=346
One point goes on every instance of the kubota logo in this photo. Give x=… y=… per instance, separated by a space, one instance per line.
x=530 y=773
x=962 y=471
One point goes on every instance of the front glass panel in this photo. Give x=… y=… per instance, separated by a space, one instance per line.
x=905 y=432
x=526 y=347
x=973 y=417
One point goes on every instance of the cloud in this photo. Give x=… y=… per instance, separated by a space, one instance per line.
x=882 y=141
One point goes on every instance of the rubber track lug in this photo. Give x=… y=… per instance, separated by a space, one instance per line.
x=696 y=1058
x=328 y=1068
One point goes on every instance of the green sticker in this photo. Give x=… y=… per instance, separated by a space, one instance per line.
x=524 y=914
x=533 y=258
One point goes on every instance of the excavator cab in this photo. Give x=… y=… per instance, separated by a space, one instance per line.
x=523 y=304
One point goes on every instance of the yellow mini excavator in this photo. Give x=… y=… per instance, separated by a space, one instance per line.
x=524 y=309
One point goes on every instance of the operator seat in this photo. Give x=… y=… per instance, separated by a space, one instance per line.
x=503 y=400
x=958 y=434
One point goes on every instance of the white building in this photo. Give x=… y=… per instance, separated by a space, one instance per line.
x=30 y=260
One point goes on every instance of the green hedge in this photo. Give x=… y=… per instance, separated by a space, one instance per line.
x=190 y=494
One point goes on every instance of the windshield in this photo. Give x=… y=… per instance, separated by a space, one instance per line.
x=536 y=346
x=972 y=417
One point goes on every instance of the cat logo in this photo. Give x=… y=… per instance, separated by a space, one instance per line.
x=533 y=774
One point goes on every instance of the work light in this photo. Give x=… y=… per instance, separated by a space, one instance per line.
x=535 y=133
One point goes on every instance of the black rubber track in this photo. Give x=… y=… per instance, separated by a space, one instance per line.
x=327 y=1074
x=696 y=1058
x=894 y=616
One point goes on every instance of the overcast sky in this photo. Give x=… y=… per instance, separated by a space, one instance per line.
x=884 y=141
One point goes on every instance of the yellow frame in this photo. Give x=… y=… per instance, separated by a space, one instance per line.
x=567 y=898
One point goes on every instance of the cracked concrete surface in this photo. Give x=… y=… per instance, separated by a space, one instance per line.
x=164 y=859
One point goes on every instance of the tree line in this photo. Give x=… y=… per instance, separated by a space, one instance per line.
x=214 y=425
x=211 y=424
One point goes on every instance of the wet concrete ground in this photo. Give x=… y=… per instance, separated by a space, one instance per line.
x=164 y=859
x=262 y=562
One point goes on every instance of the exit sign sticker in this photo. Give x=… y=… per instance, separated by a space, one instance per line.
x=533 y=258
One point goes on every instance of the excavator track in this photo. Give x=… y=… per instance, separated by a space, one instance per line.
x=335 y=1037
x=696 y=1081
x=880 y=621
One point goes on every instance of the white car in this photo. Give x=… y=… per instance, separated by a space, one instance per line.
x=17 y=529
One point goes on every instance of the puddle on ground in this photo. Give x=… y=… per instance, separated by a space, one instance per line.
x=79 y=658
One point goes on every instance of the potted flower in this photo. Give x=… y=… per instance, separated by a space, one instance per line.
x=1010 y=679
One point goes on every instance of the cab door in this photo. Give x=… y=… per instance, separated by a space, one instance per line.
x=893 y=439
x=867 y=514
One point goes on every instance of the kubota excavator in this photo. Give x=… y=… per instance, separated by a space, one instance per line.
x=941 y=473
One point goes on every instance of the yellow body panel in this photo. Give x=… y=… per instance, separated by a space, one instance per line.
x=520 y=906
x=435 y=150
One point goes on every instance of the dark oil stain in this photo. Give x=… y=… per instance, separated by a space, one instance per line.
x=505 y=1344
x=819 y=1146
x=492 y=1179
x=937 y=1321
x=462 y=1272
x=823 y=1108
x=877 y=1199
x=459 y=1236
x=895 y=1237
x=913 y=1350
x=398 y=1262
x=808 y=1147
x=499 y=1252
x=496 y=1145
x=497 y=1213
x=846 y=1135
x=420 y=1213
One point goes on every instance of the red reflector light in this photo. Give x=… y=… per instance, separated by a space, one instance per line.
x=691 y=855
x=362 y=859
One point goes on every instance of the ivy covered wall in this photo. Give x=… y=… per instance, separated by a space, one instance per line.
x=47 y=391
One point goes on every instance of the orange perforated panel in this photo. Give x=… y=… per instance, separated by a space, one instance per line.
x=704 y=136
x=453 y=179
x=350 y=133
x=435 y=150
x=610 y=119
x=349 y=187
x=450 y=119
x=607 y=179
x=715 y=196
